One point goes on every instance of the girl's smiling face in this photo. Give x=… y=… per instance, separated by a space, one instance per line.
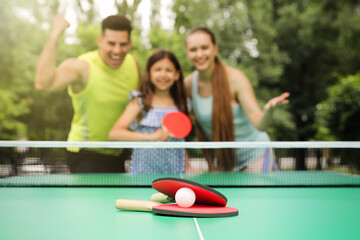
x=163 y=74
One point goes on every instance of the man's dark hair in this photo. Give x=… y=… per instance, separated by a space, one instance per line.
x=117 y=23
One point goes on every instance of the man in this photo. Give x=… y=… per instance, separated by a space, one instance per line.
x=98 y=83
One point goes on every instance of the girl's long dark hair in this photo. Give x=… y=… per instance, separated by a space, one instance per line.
x=222 y=117
x=177 y=90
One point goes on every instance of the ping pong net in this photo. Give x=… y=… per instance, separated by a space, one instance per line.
x=137 y=164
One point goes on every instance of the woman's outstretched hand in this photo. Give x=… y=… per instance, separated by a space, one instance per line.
x=282 y=99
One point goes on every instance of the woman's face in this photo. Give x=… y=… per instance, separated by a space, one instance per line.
x=201 y=51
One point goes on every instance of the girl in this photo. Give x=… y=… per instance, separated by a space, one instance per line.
x=161 y=92
x=225 y=107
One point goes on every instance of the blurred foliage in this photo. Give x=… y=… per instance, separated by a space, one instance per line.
x=11 y=108
x=281 y=45
x=172 y=41
x=337 y=117
x=313 y=35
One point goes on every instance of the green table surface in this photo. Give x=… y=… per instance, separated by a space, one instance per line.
x=264 y=213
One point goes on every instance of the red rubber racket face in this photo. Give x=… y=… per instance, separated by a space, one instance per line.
x=177 y=123
x=204 y=194
x=195 y=211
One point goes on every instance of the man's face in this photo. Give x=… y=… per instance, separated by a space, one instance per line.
x=113 y=47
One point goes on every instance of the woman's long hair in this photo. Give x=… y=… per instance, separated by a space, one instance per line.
x=222 y=116
x=177 y=90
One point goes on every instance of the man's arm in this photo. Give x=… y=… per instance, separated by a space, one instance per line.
x=48 y=77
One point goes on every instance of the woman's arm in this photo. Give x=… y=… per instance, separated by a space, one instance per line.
x=244 y=92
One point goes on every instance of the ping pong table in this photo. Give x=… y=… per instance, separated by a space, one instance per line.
x=269 y=208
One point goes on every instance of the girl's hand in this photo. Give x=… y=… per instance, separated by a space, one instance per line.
x=159 y=135
x=282 y=99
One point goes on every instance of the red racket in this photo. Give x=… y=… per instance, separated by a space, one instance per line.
x=177 y=123
x=204 y=194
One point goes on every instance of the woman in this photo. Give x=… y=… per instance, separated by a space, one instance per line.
x=226 y=108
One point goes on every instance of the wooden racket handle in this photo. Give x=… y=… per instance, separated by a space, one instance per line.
x=160 y=197
x=135 y=205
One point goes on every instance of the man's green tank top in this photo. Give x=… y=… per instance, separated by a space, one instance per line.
x=102 y=101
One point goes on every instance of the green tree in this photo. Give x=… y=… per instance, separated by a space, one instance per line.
x=317 y=37
x=337 y=117
x=16 y=80
x=160 y=38
x=11 y=108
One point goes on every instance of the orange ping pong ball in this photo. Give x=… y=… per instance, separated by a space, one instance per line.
x=185 y=197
